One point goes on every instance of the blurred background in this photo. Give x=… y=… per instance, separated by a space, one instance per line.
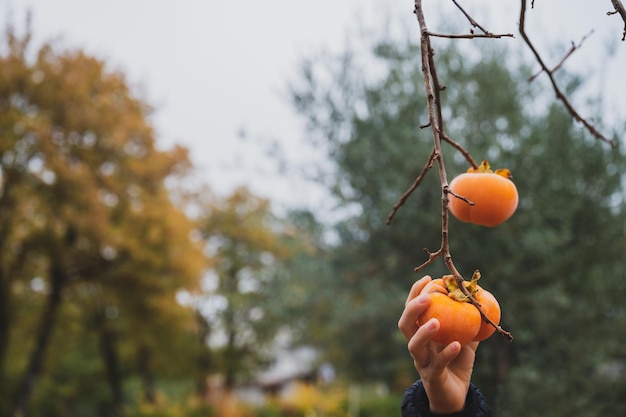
x=193 y=200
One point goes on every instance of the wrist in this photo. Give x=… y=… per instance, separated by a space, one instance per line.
x=444 y=399
x=442 y=407
x=416 y=403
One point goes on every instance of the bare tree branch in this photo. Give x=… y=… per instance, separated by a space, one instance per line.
x=569 y=53
x=433 y=105
x=473 y=22
x=461 y=150
x=432 y=256
x=416 y=183
x=435 y=119
x=472 y=35
x=557 y=90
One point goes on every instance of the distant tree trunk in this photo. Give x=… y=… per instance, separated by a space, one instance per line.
x=204 y=359
x=231 y=284
x=7 y=209
x=145 y=371
x=4 y=321
x=108 y=350
x=4 y=341
x=47 y=323
x=231 y=363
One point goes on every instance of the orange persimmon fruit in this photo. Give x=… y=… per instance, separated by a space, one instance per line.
x=459 y=319
x=491 y=196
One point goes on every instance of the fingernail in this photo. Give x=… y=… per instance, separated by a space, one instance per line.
x=430 y=324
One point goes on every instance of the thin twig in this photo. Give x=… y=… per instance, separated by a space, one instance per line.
x=619 y=8
x=460 y=197
x=460 y=149
x=557 y=90
x=472 y=35
x=498 y=328
x=416 y=183
x=471 y=20
x=569 y=53
x=431 y=258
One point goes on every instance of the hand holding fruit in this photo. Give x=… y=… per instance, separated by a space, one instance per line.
x=445 y=370
x=459 y=319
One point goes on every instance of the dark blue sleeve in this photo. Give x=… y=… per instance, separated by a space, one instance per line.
x=415 y=403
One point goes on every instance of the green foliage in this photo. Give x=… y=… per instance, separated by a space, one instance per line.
x=555 y=266
x=373 y=406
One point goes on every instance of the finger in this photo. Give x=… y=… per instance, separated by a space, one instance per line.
x=473 y=346
x=407 y=323
x=447 y=355
x=417 y=287
x=468 y=353
x=420 y=342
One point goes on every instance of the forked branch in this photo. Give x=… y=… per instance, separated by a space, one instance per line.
x=559 y=94
x=569 y=53
x=475 y=24
x=435 y=122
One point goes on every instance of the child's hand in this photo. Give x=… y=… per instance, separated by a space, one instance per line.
x=445 y=370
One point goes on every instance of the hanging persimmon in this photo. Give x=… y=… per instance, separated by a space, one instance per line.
x=483 y=197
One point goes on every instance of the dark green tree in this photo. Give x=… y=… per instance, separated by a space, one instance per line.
x=555 y=266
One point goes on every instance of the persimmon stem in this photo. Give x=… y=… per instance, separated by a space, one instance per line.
x=460 y=197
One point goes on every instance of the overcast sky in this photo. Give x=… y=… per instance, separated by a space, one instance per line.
x=216 y=68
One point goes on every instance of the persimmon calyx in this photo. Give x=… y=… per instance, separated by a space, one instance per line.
x=485 y=168
x=456 y=293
